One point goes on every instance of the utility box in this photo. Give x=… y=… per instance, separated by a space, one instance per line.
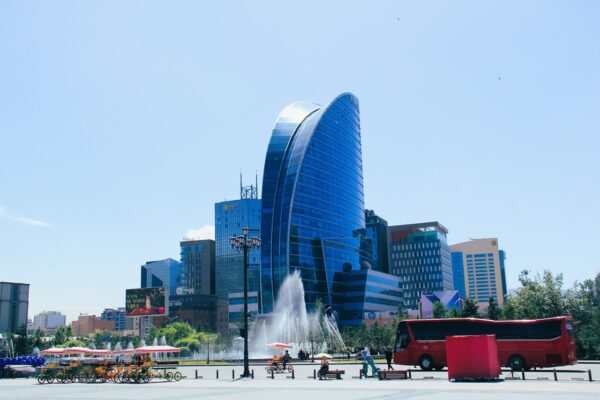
x=472 y=357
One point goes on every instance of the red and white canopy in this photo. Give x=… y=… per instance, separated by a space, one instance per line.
x=278 y=345
x=157 y=349
x=53 y=351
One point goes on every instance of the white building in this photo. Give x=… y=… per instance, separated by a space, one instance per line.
x=48 y=321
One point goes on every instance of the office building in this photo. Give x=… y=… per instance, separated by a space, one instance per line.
x=313 y=217
x=236 y=308
x=483 y=269
x=450 y=299
x=161 y=273
x=48 y=321
x=458 y=274
x=117 y=315
x=198 y=310
x=377 y=236
x=365 y=294
x=14 y=305
x=197 y=267
x=420 y=256
x=230 y=218
x=89 y=324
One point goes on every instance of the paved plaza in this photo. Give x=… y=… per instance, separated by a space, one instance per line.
x=424 y=385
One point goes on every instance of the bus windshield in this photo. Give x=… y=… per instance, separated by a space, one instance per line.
x=402 y=337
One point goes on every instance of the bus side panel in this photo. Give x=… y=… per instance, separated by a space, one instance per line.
x=536 y=353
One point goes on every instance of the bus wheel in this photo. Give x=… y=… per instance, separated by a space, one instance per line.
x=438 y=367
x=426 y=363
x=516 y=363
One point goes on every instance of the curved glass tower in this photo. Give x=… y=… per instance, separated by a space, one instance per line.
x=312 y=217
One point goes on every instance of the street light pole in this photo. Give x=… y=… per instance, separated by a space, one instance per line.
x=243 y=243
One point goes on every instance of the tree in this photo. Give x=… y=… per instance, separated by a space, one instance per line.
x=508 y=309
x=22 y=342
x=470 y=308
x=439 y=310
x=493 y=310
x=60 y=336
x=540 y=296
x=454 y=313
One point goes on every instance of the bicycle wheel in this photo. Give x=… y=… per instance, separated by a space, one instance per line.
x=169 y=376
x=177 y=376
x=41 y=379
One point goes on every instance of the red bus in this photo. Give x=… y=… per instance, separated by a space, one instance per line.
x=521 y=344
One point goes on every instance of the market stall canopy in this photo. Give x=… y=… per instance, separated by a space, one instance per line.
x=77 y=350
x=157 y=349
x=278 y=345
x=52 y=350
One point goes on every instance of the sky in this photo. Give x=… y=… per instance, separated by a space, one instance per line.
x=123 y=122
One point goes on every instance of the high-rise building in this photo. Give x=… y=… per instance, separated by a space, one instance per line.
x=48 y=321
x=89 y=324
x=483 y=269
x=450 y=299
x=14 y=305
x=161 y=273
x=458 y=274
x=197 y=267
x=313 y=217
x=377 y=235
x=360 y=294
x=117 y=315
x=420 y=255
x=230 y=218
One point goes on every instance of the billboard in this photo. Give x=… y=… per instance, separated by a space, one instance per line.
x=145 y=302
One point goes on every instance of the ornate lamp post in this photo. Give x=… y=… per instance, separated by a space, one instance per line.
x=245 y=244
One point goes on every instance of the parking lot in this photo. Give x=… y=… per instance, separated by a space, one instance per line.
x=538 y=385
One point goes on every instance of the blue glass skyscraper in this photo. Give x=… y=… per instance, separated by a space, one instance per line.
x=312 y=201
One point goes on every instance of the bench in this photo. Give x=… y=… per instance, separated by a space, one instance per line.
x=385 y=374
x=334 y=373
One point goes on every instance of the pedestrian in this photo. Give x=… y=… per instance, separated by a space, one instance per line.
x=324 y=367
x=286 y=359
x=388 y=357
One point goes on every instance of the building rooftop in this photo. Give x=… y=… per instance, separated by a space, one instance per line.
x=422 y=226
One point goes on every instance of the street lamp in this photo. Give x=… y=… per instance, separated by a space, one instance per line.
x=245 y=244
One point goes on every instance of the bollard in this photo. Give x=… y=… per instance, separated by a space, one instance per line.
x=554 y=372
x=409 y=374
x=232 y=374
x=523 y=373
x=293 y=375
x=272 y=373
x=590 y=374
x=217 y=374
x=196 y=374
x=360 y=373
x=314 y=374
x=252 y=374
x=512 y=373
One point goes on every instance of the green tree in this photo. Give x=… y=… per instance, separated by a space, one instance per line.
x=583 y=303
x=509 y=311
x=470 y=308
x=454 y=313
x=540 y=296
x=191 y=343
x=439 y=310
x=59 y=336
x=493 y=310
x=21 y=342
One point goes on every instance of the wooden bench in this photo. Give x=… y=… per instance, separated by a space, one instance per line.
x=392 y=374
x=333 y=373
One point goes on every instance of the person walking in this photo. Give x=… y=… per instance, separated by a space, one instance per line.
x=388 y=357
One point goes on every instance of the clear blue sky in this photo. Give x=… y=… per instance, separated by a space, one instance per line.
x=122 y=122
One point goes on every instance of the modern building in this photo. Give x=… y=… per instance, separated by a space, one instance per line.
x=161 y=273
x=197 y=267
x=483 y=269
x=377 y=235
x=14 y=305
x=236 y=308
x=313 y=217
x=117 y=315
x=89 y=324
x=198 y=310
x=420 y=256
x=365 y=294
x=450 y=299
x=230 y=218
x=458 y=274
x=48 y=321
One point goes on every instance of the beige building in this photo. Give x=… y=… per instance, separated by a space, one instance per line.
x=89 y=324
x=483 y=270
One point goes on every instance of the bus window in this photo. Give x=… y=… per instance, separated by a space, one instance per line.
x=402 y=337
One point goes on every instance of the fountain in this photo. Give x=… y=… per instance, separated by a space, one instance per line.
x=291 y=323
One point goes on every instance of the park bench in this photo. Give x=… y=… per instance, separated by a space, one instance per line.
x=392 y=374
x=334 y=373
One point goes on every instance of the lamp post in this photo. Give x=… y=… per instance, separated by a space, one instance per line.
x=245 y=244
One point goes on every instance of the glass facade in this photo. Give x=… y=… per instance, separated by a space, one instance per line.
x=458 y=274
x=362 y=291
x=161 y=273
x=377 y=235
x=230 y=218
x=420 y=256
x=197 y=267
x=115 y=314
x=313 y=207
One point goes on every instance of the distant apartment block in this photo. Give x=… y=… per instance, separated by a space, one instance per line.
x=48 y=321
x=90 y=324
